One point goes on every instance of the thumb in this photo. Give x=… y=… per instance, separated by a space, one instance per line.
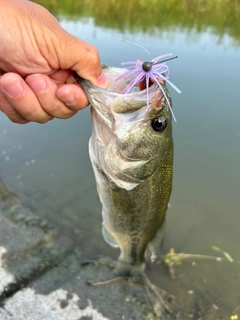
x=77 y=55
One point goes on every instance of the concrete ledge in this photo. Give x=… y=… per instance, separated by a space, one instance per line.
x=58 y=305
x=40 y=279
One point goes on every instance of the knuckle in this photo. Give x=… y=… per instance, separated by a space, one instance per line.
x=69 y=115
x=45 y=120
x=11 y=112
x=59 y=110
x=23 y=121
x=15 y=120
x=20 y=121
x=50 y=108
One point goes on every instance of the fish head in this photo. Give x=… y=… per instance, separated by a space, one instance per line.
x=131 y=135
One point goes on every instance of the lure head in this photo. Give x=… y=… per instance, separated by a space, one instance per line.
x=146 y=73
x=147 y=66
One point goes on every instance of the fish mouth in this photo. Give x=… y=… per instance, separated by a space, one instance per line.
x=114 y=101
x=115 y=109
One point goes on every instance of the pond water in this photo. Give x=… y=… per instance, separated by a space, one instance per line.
x=49 y=164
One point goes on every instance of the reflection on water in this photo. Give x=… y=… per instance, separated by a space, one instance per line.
x=49 y=163
x=152 y=16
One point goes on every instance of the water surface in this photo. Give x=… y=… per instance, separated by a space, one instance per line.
x=49 y=163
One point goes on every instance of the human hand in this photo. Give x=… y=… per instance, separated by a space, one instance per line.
x=37 y=60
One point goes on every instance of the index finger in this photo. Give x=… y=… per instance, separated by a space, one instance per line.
x=83 y=58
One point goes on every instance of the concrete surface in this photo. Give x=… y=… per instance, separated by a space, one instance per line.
x=42 y=279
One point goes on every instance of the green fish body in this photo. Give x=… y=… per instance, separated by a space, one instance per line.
x=131 y=150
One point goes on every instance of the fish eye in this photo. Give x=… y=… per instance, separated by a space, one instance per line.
x=159 y=124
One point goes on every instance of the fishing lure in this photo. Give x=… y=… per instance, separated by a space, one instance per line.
x=149 y=71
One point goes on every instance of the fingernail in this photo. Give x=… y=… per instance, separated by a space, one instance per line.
x=102 y=81
x=37 y=83
x=68 y=98
x=13 y=88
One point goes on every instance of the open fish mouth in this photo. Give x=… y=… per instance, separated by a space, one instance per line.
x=122 y=102
x=144 y=79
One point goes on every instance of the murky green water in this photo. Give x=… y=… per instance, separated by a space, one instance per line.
x=49 y=163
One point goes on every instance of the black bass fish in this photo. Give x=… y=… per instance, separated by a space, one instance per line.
x=131 y=150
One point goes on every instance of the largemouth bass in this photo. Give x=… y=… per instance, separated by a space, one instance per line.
x=131 y=150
